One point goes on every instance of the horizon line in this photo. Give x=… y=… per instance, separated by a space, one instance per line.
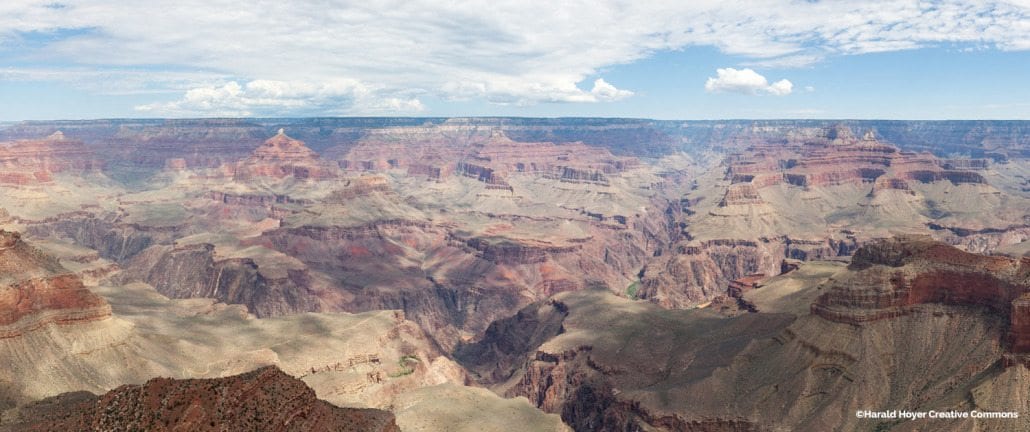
x=775 y=119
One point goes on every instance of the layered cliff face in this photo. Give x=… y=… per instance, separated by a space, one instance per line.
x=36 y=161
x=265 y=398
x=817 y=193
x=480 y=153
x=835 y=156
x=282 y=156
x=891 y=278
x=192 y=271
x=36 y=291
x=606 y=363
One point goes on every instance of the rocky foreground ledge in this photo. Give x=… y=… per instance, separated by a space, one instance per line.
x=265 y=399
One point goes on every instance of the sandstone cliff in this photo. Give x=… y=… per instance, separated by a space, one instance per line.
x=35 y=291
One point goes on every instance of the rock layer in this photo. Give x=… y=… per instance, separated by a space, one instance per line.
x=282 y=156
x=890 y=277
x=35 y=161
x=36 y=291
x=265 y=399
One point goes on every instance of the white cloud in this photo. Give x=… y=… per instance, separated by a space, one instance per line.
x=746 y=81
x=270 y=98
x=606 y=92
x=503 y=51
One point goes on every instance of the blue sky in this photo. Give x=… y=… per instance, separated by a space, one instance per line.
x=704 y=60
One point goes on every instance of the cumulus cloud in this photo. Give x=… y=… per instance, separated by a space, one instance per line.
x=607 y=92
x=502 y=51
x=746 y=81
x=270 y=98
x=507 y=91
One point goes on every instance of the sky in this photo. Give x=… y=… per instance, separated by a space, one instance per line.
x=702 y=59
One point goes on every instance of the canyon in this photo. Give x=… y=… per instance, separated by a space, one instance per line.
x=592 y=274
x=822 y=342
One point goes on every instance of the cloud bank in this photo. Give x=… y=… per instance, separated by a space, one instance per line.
x=746 y=81
x=394 y=55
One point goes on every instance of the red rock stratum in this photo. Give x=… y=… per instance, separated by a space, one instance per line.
x=35 y=290
x=265 y=399
x=282 y=156
x=892 y=276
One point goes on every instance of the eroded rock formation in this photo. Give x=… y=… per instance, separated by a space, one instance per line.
x=282 y=156
x=192 y=271
x=890 y=278
x=36 y=291
x=265 y=399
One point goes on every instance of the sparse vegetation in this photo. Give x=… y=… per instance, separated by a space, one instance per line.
x=631 y=290
x=407 y=364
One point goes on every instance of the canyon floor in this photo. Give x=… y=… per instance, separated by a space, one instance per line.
x=557 y=274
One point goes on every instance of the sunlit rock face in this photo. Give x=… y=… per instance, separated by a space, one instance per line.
x=282 y=156
x=35 y=291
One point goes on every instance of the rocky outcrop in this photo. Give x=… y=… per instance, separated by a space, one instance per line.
x=741 y=194
x=281 y=157
x=112 y=239
x=890 y=278
x=694 y=272
x=359 y=187
x=574 y=175
x=193 y=272
x=265 y=399
x=36 y=291
x=258 y=200
x=886 y=183
x=481 y=173
x=516 y=253
x=507 y=342
x=738 y=287
x=1019 y=329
